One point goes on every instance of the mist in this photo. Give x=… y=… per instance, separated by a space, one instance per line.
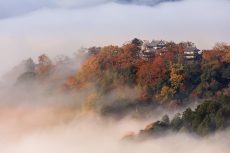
x=40 y=122
x=52 y=121
x=38 y=116
x=63 y=30
x=17 y=8
x=94 y=135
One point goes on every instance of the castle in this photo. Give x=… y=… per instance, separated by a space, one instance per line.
x=147 y=50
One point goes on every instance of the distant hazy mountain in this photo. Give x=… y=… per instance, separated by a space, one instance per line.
x=145 y=2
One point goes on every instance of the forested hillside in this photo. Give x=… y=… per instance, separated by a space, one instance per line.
x=209 y=117
x=120 y=81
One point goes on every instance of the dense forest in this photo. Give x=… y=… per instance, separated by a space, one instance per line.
x=138 y=86
x=209 y=117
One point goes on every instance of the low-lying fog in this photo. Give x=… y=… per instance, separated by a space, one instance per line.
x=92 y=135
x=39 y=123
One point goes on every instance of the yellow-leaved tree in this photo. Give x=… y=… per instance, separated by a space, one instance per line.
x=176 y=77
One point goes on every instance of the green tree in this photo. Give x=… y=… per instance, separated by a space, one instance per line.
x=165 y=119
x=176 y=122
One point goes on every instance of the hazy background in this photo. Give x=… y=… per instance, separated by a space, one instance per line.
x=42 y=122
x=29 y=28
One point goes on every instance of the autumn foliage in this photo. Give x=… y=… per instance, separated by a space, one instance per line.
x=168 y=78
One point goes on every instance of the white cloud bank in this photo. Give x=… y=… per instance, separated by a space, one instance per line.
x=55 y=30
x=11 y=8
x=99 y=136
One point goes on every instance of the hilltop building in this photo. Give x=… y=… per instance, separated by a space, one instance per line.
x=147 y=49
x=158 y=44
x=192 y=53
